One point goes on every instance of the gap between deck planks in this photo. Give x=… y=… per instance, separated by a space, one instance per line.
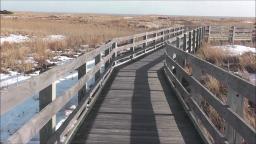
x=138 y=107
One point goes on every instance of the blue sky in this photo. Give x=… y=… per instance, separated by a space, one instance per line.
x=239 y=8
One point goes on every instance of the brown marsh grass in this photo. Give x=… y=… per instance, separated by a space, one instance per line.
x=246 y=61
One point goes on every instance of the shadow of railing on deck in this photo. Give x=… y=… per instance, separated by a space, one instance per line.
x=143 y=122
x=188 y=132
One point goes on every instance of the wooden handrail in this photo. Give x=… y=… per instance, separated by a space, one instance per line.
x=27 y=88
x=175 y=59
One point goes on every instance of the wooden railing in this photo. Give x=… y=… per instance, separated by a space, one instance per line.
x=116 y=52
x=231 y=33
x=184 y=71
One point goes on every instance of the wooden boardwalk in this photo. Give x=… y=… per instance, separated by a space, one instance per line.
x=137 y=106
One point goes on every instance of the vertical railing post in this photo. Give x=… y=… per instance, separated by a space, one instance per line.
x=199 y=37
x=203 y=34
x=133 y=48
x=145 y=44
x=196 y=73
x=46 y=96
x=163 y=36
x=178 y=60
x=209 y=34
x=146 y=38
x=190 y=42
x=155 y=41
x=236 y=103
x=169 y=31
x=233 y=34
x=194 y=41
x=97 y=60
x=177 y=42
x=107 y=52
x=81 y=73
x=185 y=42
x=114 y=46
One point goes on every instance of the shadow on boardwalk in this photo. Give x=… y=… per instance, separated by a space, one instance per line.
x=138 y=107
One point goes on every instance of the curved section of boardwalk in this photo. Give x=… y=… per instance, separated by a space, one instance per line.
x=138 y=107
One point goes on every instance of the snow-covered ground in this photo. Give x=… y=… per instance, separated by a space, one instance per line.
x=18 y=116
x=54 y=38
x=252 y=78
x=249 y=76
x=236 y=49
x=14 y=78
x=14 y=119
x=13 y=38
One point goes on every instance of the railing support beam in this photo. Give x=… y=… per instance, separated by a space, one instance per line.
x=236 y=103
x=46 y=96
x=82 y=91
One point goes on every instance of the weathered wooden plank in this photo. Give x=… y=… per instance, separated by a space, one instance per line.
x=232 y=80
x=140 y=112
x=28 y=88
x=238 y=123
x=180 y=94
x=31 y=128
x=243 y=128
x=79 y=113
x=218 y=137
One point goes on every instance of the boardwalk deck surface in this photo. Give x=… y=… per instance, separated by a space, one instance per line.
x=138 y=107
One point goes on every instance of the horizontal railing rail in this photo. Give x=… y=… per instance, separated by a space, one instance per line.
x=191 y=92
x=231 y=33
x=108 y=56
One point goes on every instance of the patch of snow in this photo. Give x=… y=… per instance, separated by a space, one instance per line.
x=54 y=38
x=63 y=58
x=6 y=76
x=236 y=49
x=249 y=22
x=252 y=78
x=59 y=60
x=11 y=17
x=128 y=17
x=12 y=38
x=59 y=123
x=18 y=116
x=14 y=78
x=15 y=118
x=73 y=107
x=70 y=76
x=30 y=60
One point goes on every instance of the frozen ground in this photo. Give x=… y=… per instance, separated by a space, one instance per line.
x=237 y=49
x=54 y=38
x=14 y=119
x=13 y=38
x=14 y=77
x=18 y=116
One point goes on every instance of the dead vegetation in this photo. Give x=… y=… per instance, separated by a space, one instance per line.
x=219 y=57
x=79 y=30
x=245 y=62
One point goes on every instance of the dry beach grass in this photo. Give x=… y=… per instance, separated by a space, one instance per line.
x=78 y=29
x=245 y=63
